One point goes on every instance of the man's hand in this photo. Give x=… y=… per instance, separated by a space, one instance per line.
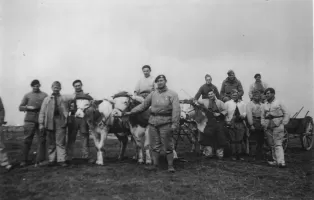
x=252 y=128
x=216 y=114
x=41 y=128
x=127 y=114
x=30 y=108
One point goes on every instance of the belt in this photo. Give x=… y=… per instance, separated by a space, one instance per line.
x=34 y=111
x=145 y=92
x=256 y=117
x=161 y=114
x=273 y=117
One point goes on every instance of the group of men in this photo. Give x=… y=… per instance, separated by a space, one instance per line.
x=52 y=115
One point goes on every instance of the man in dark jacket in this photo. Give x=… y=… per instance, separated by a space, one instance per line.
x=228 y=85
x=204 y=89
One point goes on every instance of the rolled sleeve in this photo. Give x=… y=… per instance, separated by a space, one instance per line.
x=176 y=111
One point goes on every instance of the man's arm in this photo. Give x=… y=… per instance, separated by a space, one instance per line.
x=176 y=111
x=216 y=92
x=249 y=114
x=286 y=115
x=2 y=112
x=42 y=113
x=199 y=93
x=222 y=90
x=223 y=108
x=251 y=91
x=263 y=121
x=143 y=106
x=240 y=89
x=23 y=104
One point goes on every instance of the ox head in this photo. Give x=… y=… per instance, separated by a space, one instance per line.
x=92 y=115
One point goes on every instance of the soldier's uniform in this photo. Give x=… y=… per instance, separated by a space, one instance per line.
x=165 y=116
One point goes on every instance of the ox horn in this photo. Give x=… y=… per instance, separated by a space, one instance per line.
x=109 y=100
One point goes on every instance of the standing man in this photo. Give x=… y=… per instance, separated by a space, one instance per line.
x=31 y=104
x=53 y=118
x=259 y=85
x=236 y=113
x=228 y=85
x=146 y=84
x=78 y=124
x=218 y=139
x=204 y=89
x=253 y=111
x=4 y=161
x=274 y=117
x=163 y=121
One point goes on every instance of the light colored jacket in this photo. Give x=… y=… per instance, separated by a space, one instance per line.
x=231 y=107
x=253 y=110
x=145 y=85
x=274 y=108
x=46 y=114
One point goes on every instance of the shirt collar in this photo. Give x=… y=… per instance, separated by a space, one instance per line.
x=162 y=90
x=271 y=101
x=81 y=92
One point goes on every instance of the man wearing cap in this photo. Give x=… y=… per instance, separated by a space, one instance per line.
x=4 y=161
x=259 y=85
x=78 y=124
x=31 y=104
x=204 y=89
x=236 y=113
x=274 y=116
x=146 y=84
x=163 y=121
x=253 y=112
x=217 y=140
x=230 y=83
x=53 y=118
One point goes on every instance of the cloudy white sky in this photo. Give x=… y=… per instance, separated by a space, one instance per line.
x=105 y=44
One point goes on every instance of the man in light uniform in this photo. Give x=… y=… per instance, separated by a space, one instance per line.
x=146 y=84
x=274 y=117
x=236 y=113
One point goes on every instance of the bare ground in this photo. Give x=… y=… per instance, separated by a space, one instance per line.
x=199 y=178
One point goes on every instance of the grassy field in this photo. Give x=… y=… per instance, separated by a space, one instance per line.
x=199 y=178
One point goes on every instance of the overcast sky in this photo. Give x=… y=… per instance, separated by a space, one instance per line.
x=105 y=44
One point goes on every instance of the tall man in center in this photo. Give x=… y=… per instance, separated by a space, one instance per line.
x=78 y=124
x=163 y=121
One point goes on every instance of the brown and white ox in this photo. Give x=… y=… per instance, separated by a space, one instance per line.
x=138 y=125
x=98 y=115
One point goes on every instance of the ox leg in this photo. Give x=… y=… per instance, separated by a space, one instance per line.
x=100 y=148
x=175 y=155
x=138 y=135
x=123 y=144
x=147 y=148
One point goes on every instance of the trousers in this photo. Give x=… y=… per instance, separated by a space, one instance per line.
x=275 y=138
x=161 y=136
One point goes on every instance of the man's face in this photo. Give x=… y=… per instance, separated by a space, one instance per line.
x=235 y=96
x=211 y=95
x=258 y=79
x=78 y=87
x=146 y=72
x=55 y=89
x=161 y=83
x=256 y=97
x=269 y=95
x=208 y=80
x=36 y=87
x=231 y=76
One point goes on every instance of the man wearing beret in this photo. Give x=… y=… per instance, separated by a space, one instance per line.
x=274 y=116
x=236 y=113
x=4 y=161
x=53 y=118
x=31 y=104
x=230 y=83
x=204 y=89
x=77 y=123
x=259 y=85
x=163 y=121
x=253 y=112
x=146 y=84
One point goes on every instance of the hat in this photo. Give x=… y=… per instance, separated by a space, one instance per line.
x=256 y=75
x=35 y=82
x=160 y=76
x=230 y=72
x=56 y=83
x=207 y=75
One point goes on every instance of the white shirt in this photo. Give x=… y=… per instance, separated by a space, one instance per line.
x=231 y=107
x=145 y=85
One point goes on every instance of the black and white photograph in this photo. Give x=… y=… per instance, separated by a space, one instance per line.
x=156 y=99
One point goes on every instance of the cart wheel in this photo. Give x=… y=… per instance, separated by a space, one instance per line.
x=285 y=140
x=307 y=137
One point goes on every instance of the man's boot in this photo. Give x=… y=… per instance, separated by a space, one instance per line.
x=154 y=167
x=170 y=163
